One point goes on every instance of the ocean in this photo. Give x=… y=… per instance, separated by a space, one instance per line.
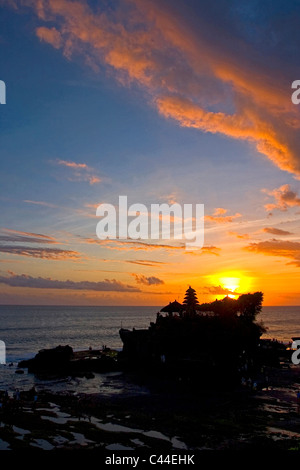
x=27 y=329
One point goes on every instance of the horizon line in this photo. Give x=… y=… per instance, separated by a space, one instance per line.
x=70 y=305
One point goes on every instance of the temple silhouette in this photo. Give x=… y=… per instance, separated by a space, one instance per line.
x=192 y=340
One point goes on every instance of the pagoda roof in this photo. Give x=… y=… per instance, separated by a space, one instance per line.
x=172 y=307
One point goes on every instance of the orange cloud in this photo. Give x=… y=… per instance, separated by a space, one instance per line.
x=285 y=197
x=276 y=231
x=80 y=172
x=218 y=216
x=92 y=206
x=42 y=203
x=185 y=71
x=280 y=248
x=245 y=126
x=142 y=262
x=170 y=198
x=72 y=164
x=50 y=35
x=243 y=236
x=133 y=245
x=218 y=290
x=120 y=245
x=220 y=211
x=206 y=250
x=94 y=179
x=37 y=236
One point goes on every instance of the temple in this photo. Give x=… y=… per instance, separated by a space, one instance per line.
x=191 y=340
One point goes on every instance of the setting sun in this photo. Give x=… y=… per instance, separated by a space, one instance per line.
x=232 y=284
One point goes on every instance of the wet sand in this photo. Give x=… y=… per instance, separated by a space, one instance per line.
x=163 y=418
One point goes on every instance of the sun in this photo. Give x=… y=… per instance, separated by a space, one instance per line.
x=232 y=284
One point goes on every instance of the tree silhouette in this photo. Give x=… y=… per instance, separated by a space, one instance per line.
x=249 y=305
x=226 y=307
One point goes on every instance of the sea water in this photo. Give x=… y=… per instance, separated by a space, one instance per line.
x=27 y=329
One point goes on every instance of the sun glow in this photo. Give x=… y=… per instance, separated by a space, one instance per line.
x=232 y=284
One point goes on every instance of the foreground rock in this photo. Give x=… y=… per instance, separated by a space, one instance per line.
x=62 y=361
x=265 y=422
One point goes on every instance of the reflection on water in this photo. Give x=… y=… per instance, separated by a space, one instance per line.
x=118 y=447
x=108 y=383
x=27 y=329
x=42 y=444
x=68 y=424
x=4 y=445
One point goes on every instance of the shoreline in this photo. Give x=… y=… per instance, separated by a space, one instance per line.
x=163 y=418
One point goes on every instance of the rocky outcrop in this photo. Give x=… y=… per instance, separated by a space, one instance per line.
x=62 y=361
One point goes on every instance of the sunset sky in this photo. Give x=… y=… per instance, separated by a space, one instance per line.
x=162 y=101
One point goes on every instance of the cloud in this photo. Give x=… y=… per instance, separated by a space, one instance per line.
x=72 y=164
x=220 y=211
x=92 y=206
x=205 y=250
x=276 y=231
x=219 y=290
x=40 y=252
x=50 y=35
x=42 y=203
x=144 y=246
x=12 y=242
x=279 y=248
x=284 y=196
x=21 y=239
x=80 y=172
x=171 y=198
x=81 y=212
x=199 y=67
x=148 y=281
x=23 y=280
x=94 y=179
x=143 y=262
x=219 y=216
x=133 y=245
x=242 y=126
x=243 y=236
x=28 y=237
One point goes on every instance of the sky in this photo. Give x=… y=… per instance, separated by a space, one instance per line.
x=164 y=102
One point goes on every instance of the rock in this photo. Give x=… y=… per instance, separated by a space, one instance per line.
x=62 y=361
x=56 y=359
x=89 y=375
